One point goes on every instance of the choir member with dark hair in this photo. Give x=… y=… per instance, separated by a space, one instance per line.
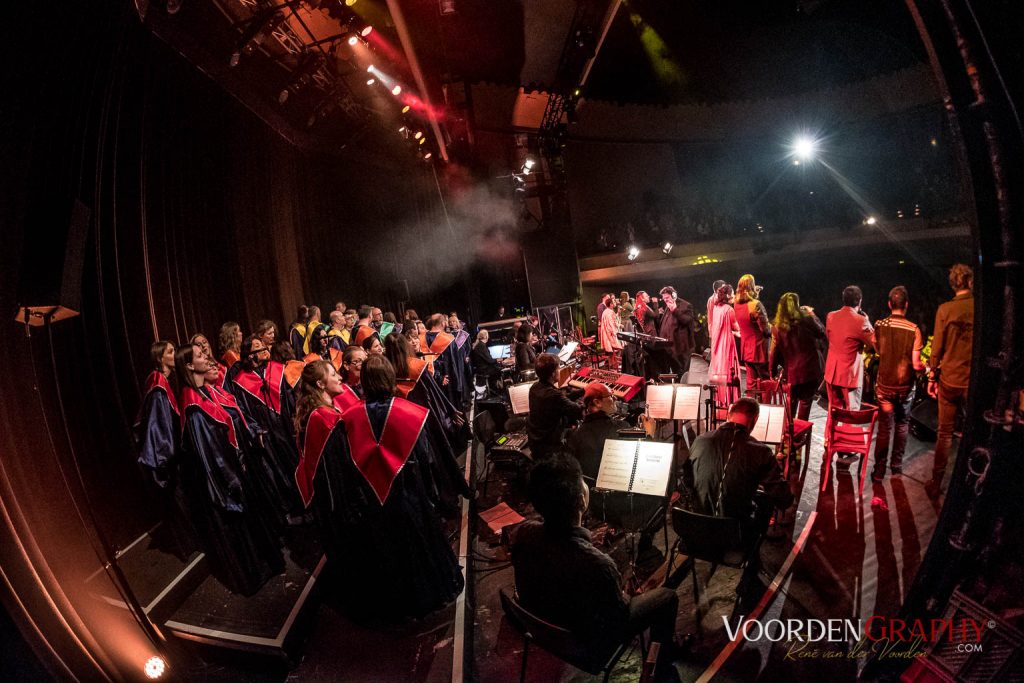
x=297 y=330
x=387 y=553
x=240 y=551
x=200 y=340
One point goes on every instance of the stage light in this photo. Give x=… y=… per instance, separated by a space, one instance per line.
x=370 y=68
x=405 y=109
x=426 y=157
x=397 y=90
x=804 y=148
x=796 y=162
x=155 y=667
x=667 y=248
x=529 y=163
x=353 y=39
x=418 y=134
x=871 y=220
x=258 y=31
x=422 y=140
x=349 y=3
x=367 y=30
x=935 y=143
x=371 y=81
x=633 y=253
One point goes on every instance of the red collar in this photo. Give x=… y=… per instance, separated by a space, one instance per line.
x=380 y=461
x=346 y=399
x=157 y=382
x=227 y=400
x=215 y=411
x=441 y=342
x=321 y=423
x=267 y=393
x=405 y=385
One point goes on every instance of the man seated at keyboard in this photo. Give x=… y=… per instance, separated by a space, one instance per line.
x=550 y=410
x=587 y=442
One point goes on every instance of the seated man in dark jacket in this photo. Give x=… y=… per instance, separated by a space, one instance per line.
x=550 y=410
x=562 y=578
x=587 y=442
x=725 y=469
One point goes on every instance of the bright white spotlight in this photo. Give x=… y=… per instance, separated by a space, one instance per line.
x=397 y=90
x=418 y=134
x=426 y=157
x=667 y=247
x=371 y=81
x=871 y=220
x=633 y=253
x=155 y=667
x=367 y=30
x=370 y=68
x=805 y=147
x=529 y=163
x=352 y=40
x=405 y=109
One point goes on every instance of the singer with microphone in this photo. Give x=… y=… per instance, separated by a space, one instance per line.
x=849 y=331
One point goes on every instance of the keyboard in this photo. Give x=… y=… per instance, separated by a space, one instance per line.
x=623 y=387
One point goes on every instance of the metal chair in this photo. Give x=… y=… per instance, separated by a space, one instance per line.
x=594 y=658
x=718 y=540
x=849 y=431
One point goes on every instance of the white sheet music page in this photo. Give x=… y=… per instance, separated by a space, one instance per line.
x=616 y=465
x=653 y=468
x=519 y=395
x=769 y=424
x=659 y=401
x=687 y=402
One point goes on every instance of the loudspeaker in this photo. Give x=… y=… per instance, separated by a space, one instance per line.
x=497 y=410
x=552 y=273
x=924 y=419
x=51 y=285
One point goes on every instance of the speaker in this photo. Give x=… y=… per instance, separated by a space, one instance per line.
x=50 y=285
x=497 y=410
x=924 y=419
x=552 y=273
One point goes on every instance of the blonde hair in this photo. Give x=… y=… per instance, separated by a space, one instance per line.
x=746 y=289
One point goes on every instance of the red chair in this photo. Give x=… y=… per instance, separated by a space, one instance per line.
x=849 y=431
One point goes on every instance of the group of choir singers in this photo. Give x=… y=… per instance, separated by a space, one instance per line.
x=359 y=437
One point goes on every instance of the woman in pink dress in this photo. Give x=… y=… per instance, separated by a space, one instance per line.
x=724 y=370
x=608 y=326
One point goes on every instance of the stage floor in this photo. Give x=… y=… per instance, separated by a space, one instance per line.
x=858 y=557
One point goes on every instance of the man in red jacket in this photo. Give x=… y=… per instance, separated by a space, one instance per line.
x=848 y=331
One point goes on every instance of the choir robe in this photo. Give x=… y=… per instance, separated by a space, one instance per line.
x=464 y=373
x=269 y=406
x=297 y=338
x=338 y=340
x=157 y=434
x=335 y=358
x=241 y=552
x=446 y=437
x=362 y=475
x=293 y=371
x=440 y=351
x=269 y=502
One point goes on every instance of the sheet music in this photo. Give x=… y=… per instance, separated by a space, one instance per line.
x=519 y=395
x=565 y=353
x=687 y=402
x=769 y=424
x=653 y=468
x=616 y=465
x=659 y=401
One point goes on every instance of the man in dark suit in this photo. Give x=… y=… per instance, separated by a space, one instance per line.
x=848 y=331
x=677 y=325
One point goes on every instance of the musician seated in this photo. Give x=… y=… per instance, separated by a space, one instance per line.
x=550 y=410
x=562 y=578
x=526 y=354
x=586 y=443
x=484 y=366
x=725 y=471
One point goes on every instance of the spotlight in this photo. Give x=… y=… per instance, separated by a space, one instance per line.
x=871 y=220
x=402 y=129
x=366 y=30
x=370 y=68
x=371 y=81
x=426 y=157
x=155 y=667
x=353 y=39
x=529 y=163
x=805 y=148
x=796 y=162
x=405 y=109
x=633 y=253
x=667 y=248
x=422 y=140
x=349 y=3
x=397 y=90
x=418 y=134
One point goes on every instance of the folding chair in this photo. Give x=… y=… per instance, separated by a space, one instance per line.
x=849 y=431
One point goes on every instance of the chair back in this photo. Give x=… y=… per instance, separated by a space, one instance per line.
x=712 y=539
x=562 y=643
x=850 y=431
x=767 y=391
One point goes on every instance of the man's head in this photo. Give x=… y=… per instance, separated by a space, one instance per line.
x=852 y=296
x=642 y=296
x=898 y=299
x=558 y=492
x=744 y=412
x=545 y=367
x=961 y=277
x=668 y=294
x=338 y=319
x=435 y=322
x=364 y=314
x=598 y=398
x=340 y=307
x=376 y=315
x=718 y=284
